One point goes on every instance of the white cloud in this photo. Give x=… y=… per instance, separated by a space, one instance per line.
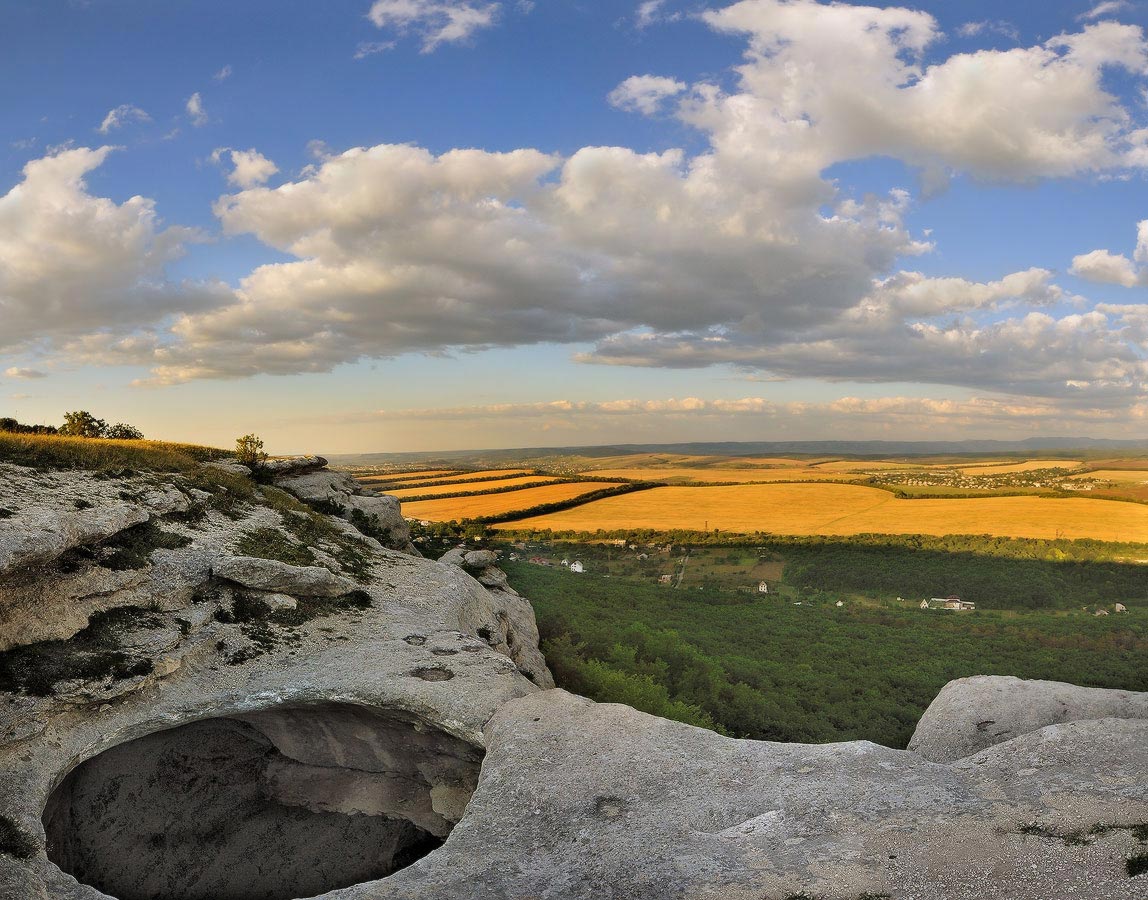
x=196 y=111
x=864 y=417
x=651 y=12
x=437 y=22
x=1104 y=267
x=122 y=115
x=249 y=167
x=989 y=26
x=744 y=253
x=72 y=263
x=823 y=83
x=645 y=93
x=370 y=48
x=17 y=372
x=223 y=74
x=1106 y=8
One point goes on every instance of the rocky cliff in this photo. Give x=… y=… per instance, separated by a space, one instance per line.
x=214 y=689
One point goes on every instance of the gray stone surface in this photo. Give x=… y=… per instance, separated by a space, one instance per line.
x=294 y=465
x=323 y=747
x=283 y=578
x=970 y=714
x=382 y=512
x=613 y=803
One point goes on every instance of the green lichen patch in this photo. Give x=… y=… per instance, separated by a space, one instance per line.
x=267 y=629
x=94 y=654
x=273 y=543
x=14 y=841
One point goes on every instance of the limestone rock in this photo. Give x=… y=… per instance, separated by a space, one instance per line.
x=230 y=466
x=611 y=802
x=380 y=515
x=971 y=714
x=279 y=602
x=282 y=578
x=479 y=559
x=294 y=465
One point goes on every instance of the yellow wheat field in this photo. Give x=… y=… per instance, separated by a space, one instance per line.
x=842 y=509
x=1120 y=476
x=421 y=475
x=457 y=486
x=1026 y=466
x=685 y=474
x=861 y=465
x=465 y=476
x=497 y=504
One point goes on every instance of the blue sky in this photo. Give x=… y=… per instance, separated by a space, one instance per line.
x=675 y=221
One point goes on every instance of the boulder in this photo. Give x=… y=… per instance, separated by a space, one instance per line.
x=294 y=465
x=377 y=515
x=279 y=602
x=971 y=714
x=282 y=578
x=479 y=559
x=605 y=801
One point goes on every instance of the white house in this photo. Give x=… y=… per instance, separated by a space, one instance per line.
x=577 y=566
x=951 y=603
x=763 y=588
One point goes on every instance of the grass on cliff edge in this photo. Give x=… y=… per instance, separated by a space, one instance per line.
x=50 y=451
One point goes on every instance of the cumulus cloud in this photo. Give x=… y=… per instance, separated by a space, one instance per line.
x=17 y=372
x=913 y=328
x=223 y=74
x=122 y=115
x=250 y=168
x=744 y=253
x=823 y=83
x=644 y=93
x=1105 y=267
x=436 y=22
x=71 y=262
x=196 y=111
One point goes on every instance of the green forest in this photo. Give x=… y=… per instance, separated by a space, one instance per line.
x=797 y=667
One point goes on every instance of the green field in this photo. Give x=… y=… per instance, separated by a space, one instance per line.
x=794 y=666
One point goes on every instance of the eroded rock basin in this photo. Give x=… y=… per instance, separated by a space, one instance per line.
x=284 y=803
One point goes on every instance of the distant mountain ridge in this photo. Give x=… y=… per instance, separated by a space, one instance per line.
x=759 y=448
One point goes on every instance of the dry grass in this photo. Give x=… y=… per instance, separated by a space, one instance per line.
x=1026 y=466
x=56 y=452
x=840 y=509
x=498 y=504
x=475 y=487
x=687 y=475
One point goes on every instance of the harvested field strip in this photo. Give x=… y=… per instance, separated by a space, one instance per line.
x=499 y=504
x=685 y=475
x=1028 y=466
x=1126 y=476
x=445 y=479
x=404 y=476
x=841 y=509
x=475 y=487
x=492 y=480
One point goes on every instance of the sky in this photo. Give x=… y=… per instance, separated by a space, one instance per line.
x=354 y=226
